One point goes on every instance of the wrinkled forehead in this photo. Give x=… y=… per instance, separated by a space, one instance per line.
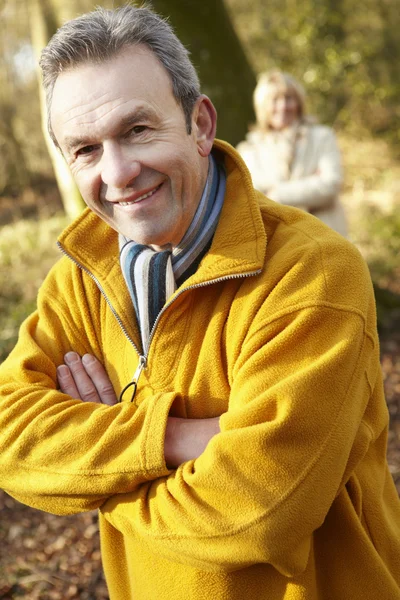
x=133 y=64
x=94 y=98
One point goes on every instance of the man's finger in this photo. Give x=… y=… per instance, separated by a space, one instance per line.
x=66 y=381
x=86 y=388
x=100 y=379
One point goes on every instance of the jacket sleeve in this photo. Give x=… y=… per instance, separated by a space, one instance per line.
x=320 y=188
x=291 y=436
x=58 y=453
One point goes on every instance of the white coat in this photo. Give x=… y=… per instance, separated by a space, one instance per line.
x=301 y=167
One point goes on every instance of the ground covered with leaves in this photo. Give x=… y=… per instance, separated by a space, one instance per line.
x=46 y=557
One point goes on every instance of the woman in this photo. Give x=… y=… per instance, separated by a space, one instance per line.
x=291 y=159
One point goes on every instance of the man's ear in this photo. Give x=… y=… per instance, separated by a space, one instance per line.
x=204 y=124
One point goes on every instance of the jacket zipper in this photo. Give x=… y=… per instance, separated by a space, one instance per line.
x=97 y=282
x=193 y=287
x=143 y=357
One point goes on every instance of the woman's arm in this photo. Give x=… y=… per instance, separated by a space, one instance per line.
x=320 y=187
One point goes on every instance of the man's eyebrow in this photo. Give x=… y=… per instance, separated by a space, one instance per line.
x=71 y=143
x=141 y=114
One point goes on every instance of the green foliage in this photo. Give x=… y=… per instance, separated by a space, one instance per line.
x=379 y=235
x=27 y=251
x=346 y=54
x=376 y=232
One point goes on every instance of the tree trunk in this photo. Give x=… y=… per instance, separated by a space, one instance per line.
x=14 y=171
x=206 y=30
x=44 y=23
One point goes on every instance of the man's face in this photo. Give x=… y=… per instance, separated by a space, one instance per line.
x=124 y=137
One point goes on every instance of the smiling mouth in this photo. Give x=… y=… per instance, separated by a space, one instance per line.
x=140 y=198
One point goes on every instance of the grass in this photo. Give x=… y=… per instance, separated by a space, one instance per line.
x=378 y=237
x=372 y=201
x=27 y=251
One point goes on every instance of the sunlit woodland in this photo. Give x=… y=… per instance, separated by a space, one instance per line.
x=347 y=56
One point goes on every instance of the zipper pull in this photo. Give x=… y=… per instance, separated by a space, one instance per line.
x=135 y=379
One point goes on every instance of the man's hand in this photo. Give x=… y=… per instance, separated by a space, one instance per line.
x=86 y=379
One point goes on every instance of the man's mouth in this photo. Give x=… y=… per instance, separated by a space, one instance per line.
x=140 y=198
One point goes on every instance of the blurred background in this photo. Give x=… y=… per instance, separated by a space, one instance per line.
x=346 y=55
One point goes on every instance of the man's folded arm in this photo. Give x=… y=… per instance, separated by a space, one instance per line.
x=60 y=454
x=291 y=437
x=318 y=190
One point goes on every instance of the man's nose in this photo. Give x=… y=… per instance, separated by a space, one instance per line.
x=118 y=167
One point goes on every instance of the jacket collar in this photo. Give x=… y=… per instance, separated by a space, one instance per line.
x=238 y=247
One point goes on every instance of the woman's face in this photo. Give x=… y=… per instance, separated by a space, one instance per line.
x=284 y=109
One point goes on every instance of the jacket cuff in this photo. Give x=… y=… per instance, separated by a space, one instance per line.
x=153 y=455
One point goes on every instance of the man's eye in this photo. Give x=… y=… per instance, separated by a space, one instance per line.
x=138 y=129
x=85 y=150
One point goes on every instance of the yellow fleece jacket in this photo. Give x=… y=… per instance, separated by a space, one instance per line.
x=276 y=332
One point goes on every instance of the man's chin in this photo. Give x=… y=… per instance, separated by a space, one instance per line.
x=158 y=243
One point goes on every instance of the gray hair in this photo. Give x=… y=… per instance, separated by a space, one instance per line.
x=102 y=34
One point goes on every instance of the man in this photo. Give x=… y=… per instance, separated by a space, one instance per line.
x=245 y=457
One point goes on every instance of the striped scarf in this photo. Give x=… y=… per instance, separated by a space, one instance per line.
x=152 y=277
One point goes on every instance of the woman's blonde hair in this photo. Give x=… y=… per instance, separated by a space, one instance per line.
x=268 y=84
